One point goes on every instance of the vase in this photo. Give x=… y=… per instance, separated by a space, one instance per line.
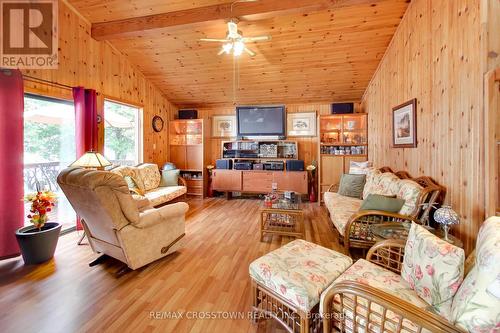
x=38 y=246
x=210 y=190
x=312 y=193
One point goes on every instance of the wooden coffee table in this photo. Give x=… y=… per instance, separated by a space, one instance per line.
x=283 y=218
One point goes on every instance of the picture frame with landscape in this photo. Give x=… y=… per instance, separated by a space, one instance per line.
x=404 y=125
x=301 y=124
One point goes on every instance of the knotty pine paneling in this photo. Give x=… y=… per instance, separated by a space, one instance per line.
x=308 y=146
x=438 y=55
x=329 y=55
x=98 y=65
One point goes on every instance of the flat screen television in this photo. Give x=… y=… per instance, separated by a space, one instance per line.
x=261 y=121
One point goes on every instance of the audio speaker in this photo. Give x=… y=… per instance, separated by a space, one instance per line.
x=224 y=164
x=188 y=114
x=342 y=108
x=295 y=165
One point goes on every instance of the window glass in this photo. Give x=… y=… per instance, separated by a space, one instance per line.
x=122 y=133
x=49 y=147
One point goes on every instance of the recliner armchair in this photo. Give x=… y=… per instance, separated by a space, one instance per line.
x=113 y=223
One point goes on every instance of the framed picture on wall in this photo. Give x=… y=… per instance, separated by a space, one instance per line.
x=224 y=126
x=301 y=124
x=404 y=125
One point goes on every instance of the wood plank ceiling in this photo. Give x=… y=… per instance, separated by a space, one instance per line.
x=327 y=55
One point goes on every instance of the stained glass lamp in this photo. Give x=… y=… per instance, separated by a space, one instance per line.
x=446 y=217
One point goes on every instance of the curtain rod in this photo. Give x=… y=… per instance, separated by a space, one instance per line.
x=47 y=81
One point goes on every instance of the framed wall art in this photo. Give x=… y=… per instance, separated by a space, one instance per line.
x=404 y=125
x=224 y=126
x=301 y=124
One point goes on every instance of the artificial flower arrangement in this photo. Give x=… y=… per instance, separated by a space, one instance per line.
x=41 y=204
x=312 y=168
x=210 y=168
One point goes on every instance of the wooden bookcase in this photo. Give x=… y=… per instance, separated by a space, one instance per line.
x=186 y=140
x=343 y=138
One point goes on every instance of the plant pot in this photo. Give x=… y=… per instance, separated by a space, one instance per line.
x=38 y=246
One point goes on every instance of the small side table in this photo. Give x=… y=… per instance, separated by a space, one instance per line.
x=394 y=230
x=282 y=218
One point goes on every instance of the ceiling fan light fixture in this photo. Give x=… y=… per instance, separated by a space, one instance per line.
x=227 y=48
x=238 y=48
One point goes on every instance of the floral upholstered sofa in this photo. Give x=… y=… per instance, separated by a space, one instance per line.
x=353 y=225
x=419 y=286
x=147 y=177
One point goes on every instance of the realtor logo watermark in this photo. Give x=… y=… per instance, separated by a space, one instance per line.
x=29 y=34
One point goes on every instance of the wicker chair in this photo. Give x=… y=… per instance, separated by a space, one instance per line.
x=352 y=306
x=358 y=229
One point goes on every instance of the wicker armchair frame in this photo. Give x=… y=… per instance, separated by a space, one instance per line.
x=373 y=309
x=267 y=303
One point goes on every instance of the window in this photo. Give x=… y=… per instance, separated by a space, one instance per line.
x=49 y=147
x=122 y=133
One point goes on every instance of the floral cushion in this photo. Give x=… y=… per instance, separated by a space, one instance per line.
x=162 y=195
x=365 y=272
x=299 y=271
x=131 y=172
x=150 y=176
x=372 y=181
x=388 y=183
x=341 y=208
x=476 y=306
x=433 y=267
x=409 y=191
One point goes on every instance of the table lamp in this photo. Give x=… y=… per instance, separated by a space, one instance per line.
x=91 y=160
x=446 y=217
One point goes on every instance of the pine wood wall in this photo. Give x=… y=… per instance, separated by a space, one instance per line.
x=97 y=65
x=439 y=56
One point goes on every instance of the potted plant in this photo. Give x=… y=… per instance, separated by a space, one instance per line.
x=38 y=241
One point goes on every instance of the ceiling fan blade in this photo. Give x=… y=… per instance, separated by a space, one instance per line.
x=214 y=40
x=256 y=39
x=221 y=52
x=250 y=52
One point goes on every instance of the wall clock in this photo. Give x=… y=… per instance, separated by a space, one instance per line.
x=158 y=123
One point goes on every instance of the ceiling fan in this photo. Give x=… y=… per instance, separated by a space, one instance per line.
x=235 y=42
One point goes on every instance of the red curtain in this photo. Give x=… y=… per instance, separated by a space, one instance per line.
x=86 y=123
x=11 y=155
x=86 y=120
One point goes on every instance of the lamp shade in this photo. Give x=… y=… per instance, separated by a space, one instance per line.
x=91 y=159
x=446 y=216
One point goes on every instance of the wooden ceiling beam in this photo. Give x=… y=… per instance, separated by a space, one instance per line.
x=246 y=10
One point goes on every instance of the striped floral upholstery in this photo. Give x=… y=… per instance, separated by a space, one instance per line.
x=299 y=271
x=433 y=267
x=476 y=306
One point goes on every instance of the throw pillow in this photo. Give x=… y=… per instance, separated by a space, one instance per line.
x=352 y=185
x=433 y=267
x=132 y=185
x=170 y=178
x=359 y=168
x=383 y=203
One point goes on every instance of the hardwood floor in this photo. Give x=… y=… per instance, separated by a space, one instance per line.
x=210 y=274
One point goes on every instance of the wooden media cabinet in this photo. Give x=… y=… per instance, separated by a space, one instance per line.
x=259 y=181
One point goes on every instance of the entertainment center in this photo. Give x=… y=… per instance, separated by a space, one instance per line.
x=259 y=166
